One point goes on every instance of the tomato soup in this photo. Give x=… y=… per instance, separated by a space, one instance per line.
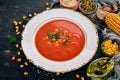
x=59 y=40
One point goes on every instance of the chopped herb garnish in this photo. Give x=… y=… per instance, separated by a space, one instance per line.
x=65 y=43
x=50 y=35
x=57 y=35
x=12 y=39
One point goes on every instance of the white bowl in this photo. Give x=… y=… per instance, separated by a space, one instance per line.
x=89 y=50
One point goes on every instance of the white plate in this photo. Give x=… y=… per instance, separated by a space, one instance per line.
x=91 y=43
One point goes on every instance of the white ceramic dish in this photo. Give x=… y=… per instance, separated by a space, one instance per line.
x=89 y=50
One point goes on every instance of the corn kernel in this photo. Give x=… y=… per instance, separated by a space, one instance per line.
x=53 y=39
x=110 y=48
x=56 y=43
x=46 y=37
x=49 y=42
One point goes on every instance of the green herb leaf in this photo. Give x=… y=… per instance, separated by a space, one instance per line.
x=65 y=43
x=12 y=39
x=57 y=35
x=26 y=20
x=50 y=35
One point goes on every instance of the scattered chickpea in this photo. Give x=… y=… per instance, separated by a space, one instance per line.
x=14 y=22
x=30 y=15
x=23 y=26
x=21 y=66
x=77 y=75
x=18 y=52
x=13 y=58
x=47 y=8
x=19 y=22
x=25 y=73
x=24 y=17
x=46 y=3
x=17 y=30
x=21 y=48
x=17 y=27
x=82 y=78
x=63 y=72
x=49 y=42
x=35 y=14
x=18 y=33
x=17 y=45
x=58 y=73
x=26 y=63
x=19 y=60
x=53 y=79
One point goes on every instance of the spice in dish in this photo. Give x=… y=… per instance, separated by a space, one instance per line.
x=69 y=3
x=100 y=67
x=88 y=6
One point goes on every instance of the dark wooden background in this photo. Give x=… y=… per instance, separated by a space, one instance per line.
x=11 y=10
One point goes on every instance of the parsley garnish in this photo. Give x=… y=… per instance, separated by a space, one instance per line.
x=12 y=39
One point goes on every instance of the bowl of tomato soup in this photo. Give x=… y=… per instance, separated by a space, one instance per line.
x=60 y=40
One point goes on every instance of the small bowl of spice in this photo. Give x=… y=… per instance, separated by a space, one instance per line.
x=70 y=4
x=87 y=7
x=110 y=47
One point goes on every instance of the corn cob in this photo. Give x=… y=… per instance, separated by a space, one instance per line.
x=113 y=22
